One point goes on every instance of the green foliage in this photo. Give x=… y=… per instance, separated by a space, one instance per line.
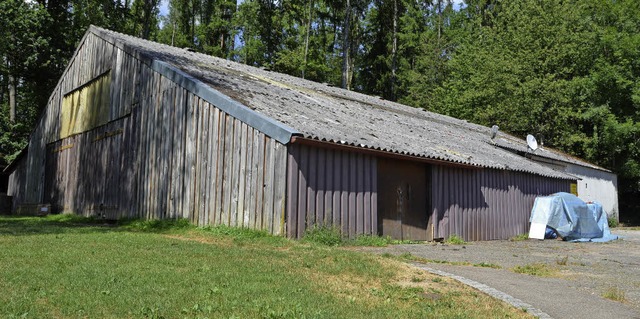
x=613 y=222
x=323 y=235
x=520 y=237
x=455 y=240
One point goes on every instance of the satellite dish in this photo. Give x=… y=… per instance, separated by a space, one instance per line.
x=532 y=143
x=494 y=131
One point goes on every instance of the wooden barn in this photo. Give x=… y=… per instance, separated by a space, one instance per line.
x=137 y=129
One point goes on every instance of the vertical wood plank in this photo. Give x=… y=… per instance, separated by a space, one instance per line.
x=228 y=170
x=242 y=173
x=235 y=177
x=221 y=118
x=269 y=165
x=190 y=150
x=213 y=164
x=204 y=161
x=292 y=192
x=280 y=188
x=255 y=168
x=248 y=214
x=259 y=192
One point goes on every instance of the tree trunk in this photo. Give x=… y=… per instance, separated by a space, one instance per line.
x=12 y=98
x=306 y=39
x=346 y=46
x=394 y=50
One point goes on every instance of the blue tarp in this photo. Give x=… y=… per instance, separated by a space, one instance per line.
x=572 y=218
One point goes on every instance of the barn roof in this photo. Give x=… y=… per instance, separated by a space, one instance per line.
x=287 y=106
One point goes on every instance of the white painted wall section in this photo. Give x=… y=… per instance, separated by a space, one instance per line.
x=596 y=185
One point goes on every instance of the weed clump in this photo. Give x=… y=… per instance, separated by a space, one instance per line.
x=615 y=294
x=455 y=240
x=323 y=235
x=535 y=269
x=520 y=237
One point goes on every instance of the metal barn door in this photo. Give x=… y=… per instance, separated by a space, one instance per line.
x=403 y=200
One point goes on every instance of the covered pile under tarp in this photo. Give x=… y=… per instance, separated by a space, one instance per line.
x=572 y=218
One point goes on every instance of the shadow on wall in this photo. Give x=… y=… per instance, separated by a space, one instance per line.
x=88 y=173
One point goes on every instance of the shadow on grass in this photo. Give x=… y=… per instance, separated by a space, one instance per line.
x=68 y=223
x=53 y=224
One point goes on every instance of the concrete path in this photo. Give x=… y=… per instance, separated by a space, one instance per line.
x=584 y=272
x=552 y=296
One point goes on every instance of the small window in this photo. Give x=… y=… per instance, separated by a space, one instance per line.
x=86 y=107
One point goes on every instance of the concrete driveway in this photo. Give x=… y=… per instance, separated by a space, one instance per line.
x=582 y=272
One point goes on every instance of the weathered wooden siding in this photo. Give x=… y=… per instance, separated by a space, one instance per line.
x=163 y=153
x=93 y=58
x=333 y=188
x=486 y=204
x=17 y=182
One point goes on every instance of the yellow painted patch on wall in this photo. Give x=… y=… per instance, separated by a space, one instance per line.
x=574 y=189
x=86 y=107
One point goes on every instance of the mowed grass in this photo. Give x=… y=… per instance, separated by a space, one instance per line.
x=69 y=267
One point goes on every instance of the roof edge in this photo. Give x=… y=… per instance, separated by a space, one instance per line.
x=579 y=161
x=276 y=130
x=272 y=128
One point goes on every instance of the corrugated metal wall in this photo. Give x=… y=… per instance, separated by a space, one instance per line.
x=331 y=187
x=486 y=204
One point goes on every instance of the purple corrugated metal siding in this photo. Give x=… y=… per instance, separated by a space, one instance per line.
x=331 y=187
x=486 y=204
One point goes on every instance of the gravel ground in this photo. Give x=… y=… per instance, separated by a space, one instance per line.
x=590 y=268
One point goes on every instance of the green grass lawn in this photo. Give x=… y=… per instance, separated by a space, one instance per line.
x=68 y=267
